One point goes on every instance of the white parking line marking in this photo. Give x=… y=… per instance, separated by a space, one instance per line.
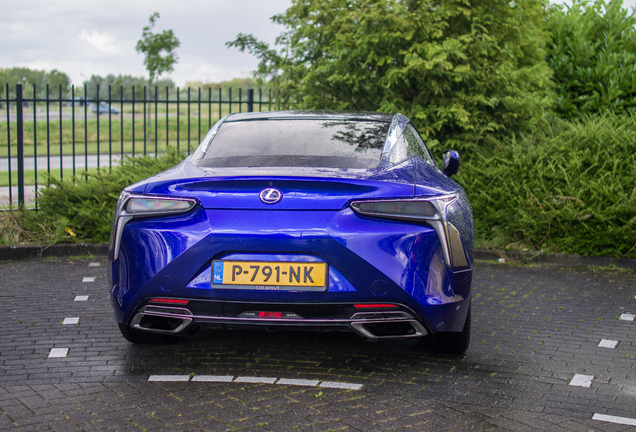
x=212 y=378
x=606 y=343
x=73 y=320
x=627 y=317
x=81 y=298
x=582 y=380
x=257 y=380
x=614 y=419
x=340 y=385
x=298 y=382
x=263 y=380
x=58 y=352
x=94 y=264
x=168 y=378
x=88 y=279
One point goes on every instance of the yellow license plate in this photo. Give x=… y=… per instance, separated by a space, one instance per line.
x=270 y=275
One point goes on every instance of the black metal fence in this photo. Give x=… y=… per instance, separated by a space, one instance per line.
x=66 y=134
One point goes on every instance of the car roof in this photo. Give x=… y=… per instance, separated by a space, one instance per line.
x=311 y=115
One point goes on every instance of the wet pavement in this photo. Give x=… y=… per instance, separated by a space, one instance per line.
x=536 y=335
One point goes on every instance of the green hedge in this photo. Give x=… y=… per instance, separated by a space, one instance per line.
x=84 y=209
x=569 y=188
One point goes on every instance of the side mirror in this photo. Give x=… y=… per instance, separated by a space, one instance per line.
x=450 y=162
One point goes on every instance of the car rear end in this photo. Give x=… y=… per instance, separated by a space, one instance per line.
x=217 y=242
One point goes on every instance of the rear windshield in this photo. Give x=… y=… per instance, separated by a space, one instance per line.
x=295 y=143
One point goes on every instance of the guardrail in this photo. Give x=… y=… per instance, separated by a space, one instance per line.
x=91 y=133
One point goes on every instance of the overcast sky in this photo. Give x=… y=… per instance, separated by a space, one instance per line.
x=99 y=37
x=89 y=37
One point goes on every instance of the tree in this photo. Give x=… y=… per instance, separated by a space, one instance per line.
x=234 y=85
x=463 y=71
x=159 y=51
x=28 y=77
x=127 y=81
x=592 y=51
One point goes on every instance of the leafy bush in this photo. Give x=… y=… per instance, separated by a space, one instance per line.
x=84 y=210
x=592 y=51
x=569 y=188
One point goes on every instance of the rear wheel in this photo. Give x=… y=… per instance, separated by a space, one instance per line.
x=141 y=337
x=455 y=343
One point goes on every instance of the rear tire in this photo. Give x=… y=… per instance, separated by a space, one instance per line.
x=141 y=337
x=454 y=343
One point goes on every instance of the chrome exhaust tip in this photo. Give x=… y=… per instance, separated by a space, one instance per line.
x=162 y=319
x=387 y=325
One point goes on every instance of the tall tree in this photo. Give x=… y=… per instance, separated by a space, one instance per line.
x=463 y=71
x=158 y=50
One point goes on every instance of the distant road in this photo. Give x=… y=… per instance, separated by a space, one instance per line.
x=67 y=162
x=55 y=115
x=29 y=195
x=79 y=115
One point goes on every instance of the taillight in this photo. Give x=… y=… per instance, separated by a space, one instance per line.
x=153 y=206
x=429 y=210
x=130 y=207
x=402 y=209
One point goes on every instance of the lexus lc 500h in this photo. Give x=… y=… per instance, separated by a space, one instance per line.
x=298 y=220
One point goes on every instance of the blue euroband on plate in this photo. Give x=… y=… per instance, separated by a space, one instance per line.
x=217 y=276
x=305 y=220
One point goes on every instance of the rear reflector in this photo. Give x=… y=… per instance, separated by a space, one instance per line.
x=374 y=305
x=271 y=315
x=264 y=314
x=169 y=301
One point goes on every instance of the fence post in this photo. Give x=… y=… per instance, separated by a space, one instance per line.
x=250 y=100
x=20 y=135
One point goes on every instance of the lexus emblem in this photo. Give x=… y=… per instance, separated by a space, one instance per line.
x=270 y=195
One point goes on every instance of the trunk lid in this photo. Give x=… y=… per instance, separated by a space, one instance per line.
x=301 y=188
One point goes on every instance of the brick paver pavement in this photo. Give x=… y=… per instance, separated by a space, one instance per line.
x=534 y=328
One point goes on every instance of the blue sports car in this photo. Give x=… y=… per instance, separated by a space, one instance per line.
x=298 y=220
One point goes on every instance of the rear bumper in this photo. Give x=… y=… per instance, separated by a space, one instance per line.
x=369 y=260
x=398 y=322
